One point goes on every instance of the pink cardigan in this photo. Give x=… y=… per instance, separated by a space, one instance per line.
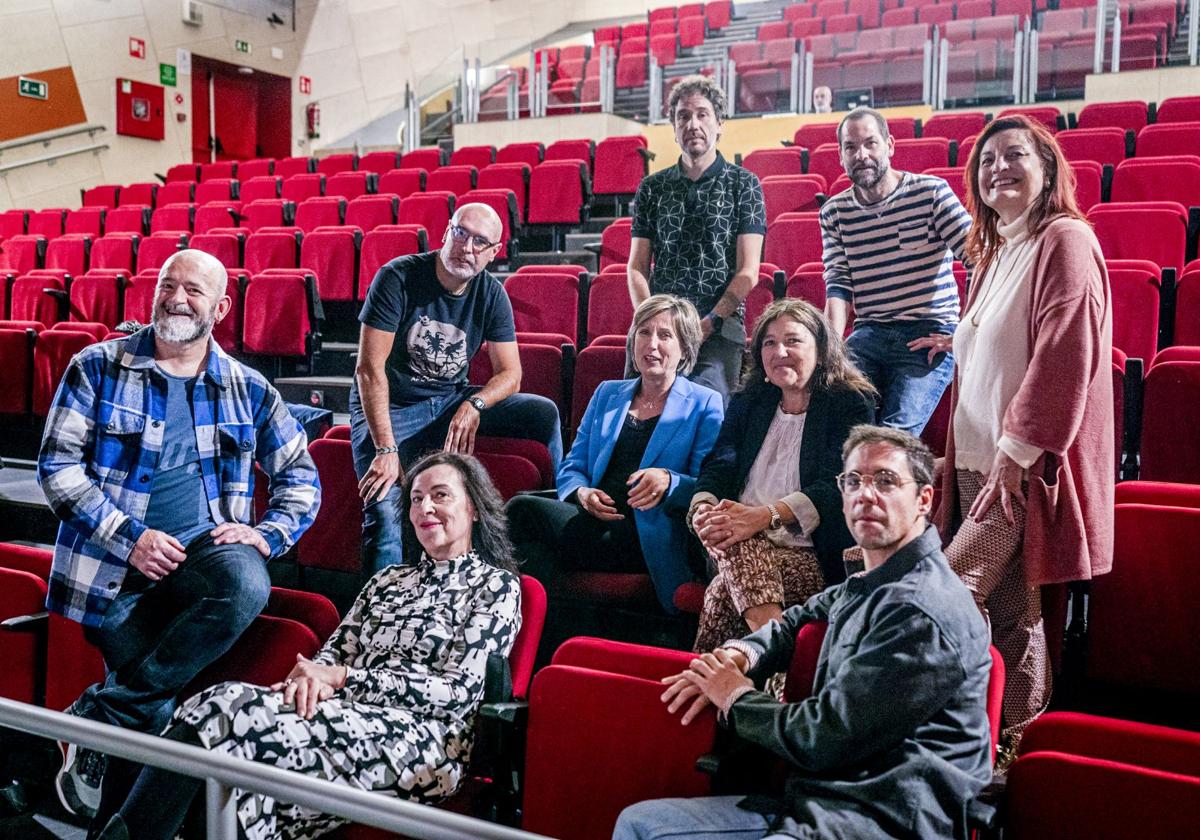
x=1065 y=407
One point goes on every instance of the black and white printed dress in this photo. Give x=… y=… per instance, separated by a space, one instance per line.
x=415 y=645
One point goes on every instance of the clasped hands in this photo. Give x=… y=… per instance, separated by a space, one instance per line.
x=308 y=683
x=647 y=488
x=727 y=523
x=710 y=678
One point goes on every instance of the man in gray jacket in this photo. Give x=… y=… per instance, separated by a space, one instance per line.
x=894 y=741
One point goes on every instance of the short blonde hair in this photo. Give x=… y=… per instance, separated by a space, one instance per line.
x=687 y=327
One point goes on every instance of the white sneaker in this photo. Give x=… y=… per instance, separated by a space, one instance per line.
x=78 y=782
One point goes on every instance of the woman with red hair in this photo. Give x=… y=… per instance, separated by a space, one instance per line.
x=1027 y=483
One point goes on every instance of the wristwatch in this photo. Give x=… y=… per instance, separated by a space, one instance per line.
x=776 y=519
x=479 y=404
x=717 y=321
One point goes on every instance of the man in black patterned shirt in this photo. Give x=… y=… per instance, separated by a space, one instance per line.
x=702 y=223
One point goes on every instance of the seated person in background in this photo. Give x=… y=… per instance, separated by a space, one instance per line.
x=822 y=99
x=389 y=702
x=894 y=741
x=766 y=506
x=424 y=318
x=148 y=461
x=635 y=458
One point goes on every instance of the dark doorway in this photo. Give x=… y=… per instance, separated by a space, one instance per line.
x=253 y=112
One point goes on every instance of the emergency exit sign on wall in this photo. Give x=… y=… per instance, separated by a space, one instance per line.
x=243 y=47
x=33 y=88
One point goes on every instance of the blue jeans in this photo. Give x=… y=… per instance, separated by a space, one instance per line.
x=909 y=387
x=702 y=818
x=421 y=428
x=157 y=636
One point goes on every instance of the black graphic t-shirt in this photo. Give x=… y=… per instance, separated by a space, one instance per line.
x=437 y=333
x=693 y=228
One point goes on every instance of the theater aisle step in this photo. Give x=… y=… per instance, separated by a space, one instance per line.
x=332 y=392
x=24 y=513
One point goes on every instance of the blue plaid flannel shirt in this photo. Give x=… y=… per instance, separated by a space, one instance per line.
x=102 y=444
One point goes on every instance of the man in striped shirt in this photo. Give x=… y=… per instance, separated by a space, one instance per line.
x=888 y=243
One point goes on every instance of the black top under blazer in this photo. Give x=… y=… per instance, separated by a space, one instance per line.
x=831 y=414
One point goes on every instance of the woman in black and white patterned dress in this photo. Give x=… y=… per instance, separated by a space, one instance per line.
x=389 y=701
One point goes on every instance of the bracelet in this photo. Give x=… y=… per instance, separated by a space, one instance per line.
x=387 y=450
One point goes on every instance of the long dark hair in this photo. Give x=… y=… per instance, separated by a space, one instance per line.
x=489 y=534
x=834 y=370
x=1057 y=197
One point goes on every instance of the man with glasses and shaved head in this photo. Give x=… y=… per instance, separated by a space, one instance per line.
x=424 y=318
x=894 y=740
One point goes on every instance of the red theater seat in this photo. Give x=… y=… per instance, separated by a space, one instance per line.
x=306 y=185
x=1170 y=404
x=331 y=254
x=593 y=365
x=559 y=193
x=96 y=296
x=279 y=318
x=334 y=541
x=402 y=182
x=379 y=162
x=1181 y=138
x=791 y=194
x=1150 y=230
x=385 y=244
x=546 y=303
x=370 y=211
x=313 y=213
x=1175 y=178
x=793 y=240
x=427 y=159
x=430 y=210
x=287 y=167
x=1127 y=116
x=620 y=165
x=51 y=354
x=349 y=185
x=335 y=164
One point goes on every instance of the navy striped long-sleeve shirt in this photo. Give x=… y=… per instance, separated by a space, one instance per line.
x=893 y=259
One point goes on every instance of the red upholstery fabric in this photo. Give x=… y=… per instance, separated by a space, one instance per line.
x=222 y=169
x=427 y=159
x=379 y=162
x=1173 y=178
x=452 y=179
x=226 y=247
x=276 y=313
x=370 y=211
x=287 y=167
x=1104 y=145
x=545 y=302
x=348 y=184
x=115 y=251
x=255 y=168
x=1047 y=115
x=271 y=249
x=384 y=244
x=1151 y=230
x=1129 y=742
x=223 y=214
x=430 y=210
x=532 y=451
x=266 y=186
x=48 y=223
x=154 y=250
x=791 y=194
x=530 y=154
x=559 y=192
x=134 y=195
x=793 y=240
x=334 y=164
x=767 y=162
x=12 y=223
x=221 y=189
x=477 y=156
x=173 y=218
x=619 y=165
x=1054 y=795
x=610 y=311
x=21 y=254
x=1153 y=587
x=51 y=354
x=131 y=218
x=808 y=283
x=579 y=754
x=331 y=254
x=594 y=365
x=96 y=296
x=15 y=373
x=93 y=328
x=1162 y=493
x=184 y=172
x=1187 y=307
x=28 y=300
x=267 y=212
x=139 y=297
x=1179 y=109
x=175 y=192
x=1170 y=403
x=632 y=660
x=1135 y=302
x=402 y=182
x=1177 y=138
x=1127 y=116
x=957 y=126
x=510 y=473
x=615 y=243
x=826 y=161
x=335 y=539
x=313 y=213
x=69 y=252
x=306 y=185
x=921 y=154
x=504 y=202
x=541 y=368
x=508 y=176
x=104 y=195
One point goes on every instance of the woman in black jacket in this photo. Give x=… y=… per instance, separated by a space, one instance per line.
x=767 y=507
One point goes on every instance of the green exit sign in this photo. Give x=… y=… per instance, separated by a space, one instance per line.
x=243 y=47
x=33 y=88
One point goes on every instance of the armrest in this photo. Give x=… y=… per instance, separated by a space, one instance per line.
x=32 y=623
x=499 y=755
x=541 y=494
x=985 y=813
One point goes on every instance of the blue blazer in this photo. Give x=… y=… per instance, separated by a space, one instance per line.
x=686 y=431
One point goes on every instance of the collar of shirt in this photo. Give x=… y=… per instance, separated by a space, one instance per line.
x=139 y=355
x=714 y=169
x=898 y=565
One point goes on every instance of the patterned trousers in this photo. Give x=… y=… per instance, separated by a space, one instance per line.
x=752 y=573
x=987 y=556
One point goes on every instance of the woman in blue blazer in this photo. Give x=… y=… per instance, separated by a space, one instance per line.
x=631 y=472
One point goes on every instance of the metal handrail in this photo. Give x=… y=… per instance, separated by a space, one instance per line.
x=95 y=147
x=48 y=136
x=225 y=772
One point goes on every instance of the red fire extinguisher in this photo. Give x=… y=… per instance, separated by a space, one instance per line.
x=312 y=120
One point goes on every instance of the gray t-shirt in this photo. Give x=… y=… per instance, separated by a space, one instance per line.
x=178 y=503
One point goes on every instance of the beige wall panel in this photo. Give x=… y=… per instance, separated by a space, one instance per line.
x=67 y=171
x=1146 y=85
x=29 y=42
x=100 y=50
x=75 y=12
x=384 y=75
x=331 y=28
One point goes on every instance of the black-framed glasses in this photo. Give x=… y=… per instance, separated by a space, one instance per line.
x=461 y=235
x=883 y=481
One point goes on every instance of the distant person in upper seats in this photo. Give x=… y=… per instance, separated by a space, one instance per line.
x=148 y=460
x=425 y=316
x=701 y=223
x=625 y=484
x=388 y=704
x=1027 y=488
x=889 y=242
x=822 y=99
x=894 y=741
x=766 y=506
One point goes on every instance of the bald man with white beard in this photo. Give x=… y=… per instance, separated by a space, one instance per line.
x=424 y=318
x=148 y=461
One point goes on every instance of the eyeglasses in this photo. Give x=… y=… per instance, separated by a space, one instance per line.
x=461 y=235
x=883 y=482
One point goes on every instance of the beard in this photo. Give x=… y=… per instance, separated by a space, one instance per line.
x=182 y=327
x=455 y=269
x=868 y=177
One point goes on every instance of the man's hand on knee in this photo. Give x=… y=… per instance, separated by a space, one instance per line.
x=229 y=533
x=156 y=554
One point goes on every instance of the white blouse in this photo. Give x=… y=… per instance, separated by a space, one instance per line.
x=775 y=475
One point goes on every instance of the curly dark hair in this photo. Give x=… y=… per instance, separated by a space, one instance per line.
x=489 y=534
x=834 y=368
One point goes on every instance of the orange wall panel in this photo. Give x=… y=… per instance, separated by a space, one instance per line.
x=21 y=116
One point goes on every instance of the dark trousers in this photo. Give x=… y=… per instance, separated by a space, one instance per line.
x=552 y=537
x=157 y=636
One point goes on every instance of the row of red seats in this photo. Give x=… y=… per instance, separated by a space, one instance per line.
x=716 y=15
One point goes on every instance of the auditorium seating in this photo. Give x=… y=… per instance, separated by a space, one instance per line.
x=1171 y=398
x=334 y=542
